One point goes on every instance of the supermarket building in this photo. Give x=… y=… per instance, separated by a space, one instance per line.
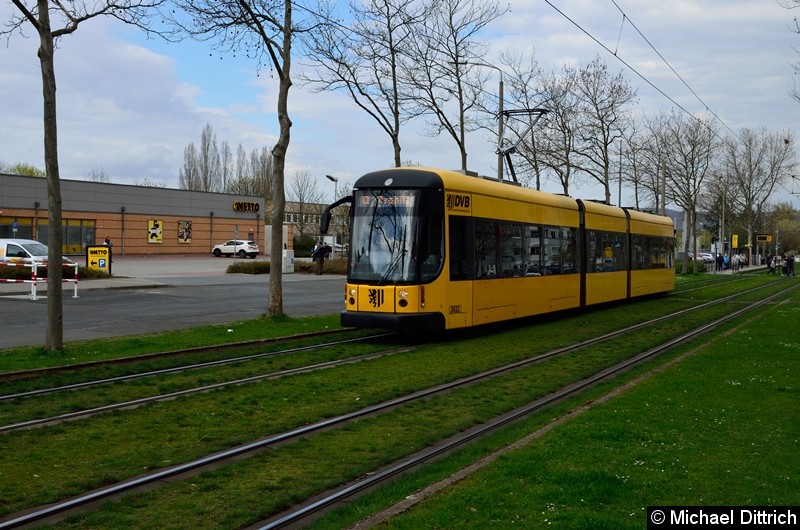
x=140 y=220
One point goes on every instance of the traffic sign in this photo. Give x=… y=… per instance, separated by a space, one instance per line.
x=98 y=258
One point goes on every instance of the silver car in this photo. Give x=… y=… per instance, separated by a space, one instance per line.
x=240 y=248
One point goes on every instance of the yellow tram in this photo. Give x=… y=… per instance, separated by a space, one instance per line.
x=438 y=249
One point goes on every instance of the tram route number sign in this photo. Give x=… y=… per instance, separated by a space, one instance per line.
x=98 y=258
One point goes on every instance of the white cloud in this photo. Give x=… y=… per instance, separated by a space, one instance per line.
x=131 y=105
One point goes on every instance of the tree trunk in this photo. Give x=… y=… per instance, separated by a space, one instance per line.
x=279 y=158
x=54 y=331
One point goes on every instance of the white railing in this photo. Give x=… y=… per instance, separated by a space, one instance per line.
x=35 y=280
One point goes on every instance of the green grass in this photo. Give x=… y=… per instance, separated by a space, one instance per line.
x=37 y=465
x=167 y=433
x=717 y=429
x=32 y=357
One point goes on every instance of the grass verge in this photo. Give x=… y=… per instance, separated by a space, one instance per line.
x=719 y=428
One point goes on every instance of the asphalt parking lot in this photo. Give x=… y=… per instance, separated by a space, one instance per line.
x=157 y=293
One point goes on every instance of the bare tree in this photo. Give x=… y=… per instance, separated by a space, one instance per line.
x=656 y=145
x=634 y=170
x=794 y=91
x=42 y=15
x=690 y=147
x=189 y=174
x=307 y=197
x=264 y=30
x=757 y=162
x=557 y=146
x=147 y=183
x=444 y=82
x=242 y=169
x=226 y=165
x=261 y=167
x=253 y=175
x=363 y=59
x=209 y=164
x=202 y=167
x=97 y=174
x=603 y=99
x=784 y=221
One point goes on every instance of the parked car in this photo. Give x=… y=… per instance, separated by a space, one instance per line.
x=26 y=251
x=705 y=257
x=237 y=247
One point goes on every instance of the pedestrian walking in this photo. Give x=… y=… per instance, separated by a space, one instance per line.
x=318 y=254
x=770 y=264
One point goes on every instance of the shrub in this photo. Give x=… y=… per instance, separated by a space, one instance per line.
x=331 y=266
x=24 y=273
x=701 y=267
x=249 y=267
x=303 y=245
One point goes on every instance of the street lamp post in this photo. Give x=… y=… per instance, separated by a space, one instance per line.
x=335 y=181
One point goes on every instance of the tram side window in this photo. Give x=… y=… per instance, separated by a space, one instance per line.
x=665 y=249
x=560 y=250
x=651 y=252
x=460 y=240
x=606 y=252
x=640 y=252
x=506 y=249
x=669 y=246
x=486 y=248
x=533 y=243
x=510 y=239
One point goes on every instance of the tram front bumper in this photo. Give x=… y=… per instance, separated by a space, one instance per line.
x=408 y=321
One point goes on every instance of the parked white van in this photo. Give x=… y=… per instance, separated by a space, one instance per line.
x=24 y=251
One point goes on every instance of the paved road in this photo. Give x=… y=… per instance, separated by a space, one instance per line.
x=158 y=293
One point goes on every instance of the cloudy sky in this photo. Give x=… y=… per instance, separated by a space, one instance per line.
x=129 y=106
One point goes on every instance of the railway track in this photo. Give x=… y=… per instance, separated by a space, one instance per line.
x=182 y=368
x=286 y=519
x=73 y=415
x=305 y=512
x=173 y=354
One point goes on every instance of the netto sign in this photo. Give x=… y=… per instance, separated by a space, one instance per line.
x=244 y=206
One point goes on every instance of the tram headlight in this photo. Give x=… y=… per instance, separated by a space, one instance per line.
x=352 y=291
x=402 y=294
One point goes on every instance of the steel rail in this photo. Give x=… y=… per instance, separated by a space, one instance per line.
x=197 y=390
x=174 y=369
x=373 y=480
x=172 y=395
x=49 y=370
x=237 y=452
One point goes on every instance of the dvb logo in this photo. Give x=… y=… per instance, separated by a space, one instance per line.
x=457 y=202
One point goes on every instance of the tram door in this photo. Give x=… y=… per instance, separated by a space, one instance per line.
x=458 y=305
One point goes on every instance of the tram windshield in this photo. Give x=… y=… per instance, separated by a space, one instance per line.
x=390 y=241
